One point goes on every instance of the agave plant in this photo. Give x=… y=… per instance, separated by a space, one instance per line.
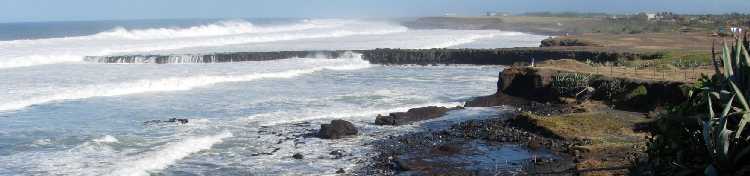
x=725 y=132
x=568 y=84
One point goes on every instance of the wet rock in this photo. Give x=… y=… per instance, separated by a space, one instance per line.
x=340 y=171
x=446 y=149
x=171 y=120
x=502 y=56
x=298 y=156
x=337 y=154
x=218 y=57
x=337 y=129
x=413 y=115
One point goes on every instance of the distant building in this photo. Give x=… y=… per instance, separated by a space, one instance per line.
x=491 y=14
x=651 y=16
x=451 y=14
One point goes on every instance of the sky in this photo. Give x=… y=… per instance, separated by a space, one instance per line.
x=77 y=10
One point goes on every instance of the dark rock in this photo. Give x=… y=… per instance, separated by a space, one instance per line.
x=340 y=171
x=446 y=149
x=337 y=154
x=337 y=129
x=181 y=121
x=171 y=120
x=502 y=56
x=413 y=115
x=298 y=156
x=214 y=58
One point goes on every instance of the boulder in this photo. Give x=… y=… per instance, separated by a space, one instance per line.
x=337 y=129
x=413 y=115
x=298 y=156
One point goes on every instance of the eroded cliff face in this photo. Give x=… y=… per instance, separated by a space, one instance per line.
x=516 y=84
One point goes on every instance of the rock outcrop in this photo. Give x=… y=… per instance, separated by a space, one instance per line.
x=517 y=84
x=413 y=115
x=337 y=129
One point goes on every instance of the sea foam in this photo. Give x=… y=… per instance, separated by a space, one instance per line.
x=352 y=62
x=167 y=155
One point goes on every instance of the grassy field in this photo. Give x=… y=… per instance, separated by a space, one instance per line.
x=686 y=54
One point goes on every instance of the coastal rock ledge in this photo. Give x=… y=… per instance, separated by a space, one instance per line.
x=413 y=115
x=337 y=129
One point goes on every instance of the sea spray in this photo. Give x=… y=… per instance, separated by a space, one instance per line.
x=24 y=53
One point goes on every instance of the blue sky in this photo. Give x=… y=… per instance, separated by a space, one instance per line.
x=66 y=10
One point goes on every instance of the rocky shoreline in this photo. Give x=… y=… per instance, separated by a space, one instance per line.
x=446 y=151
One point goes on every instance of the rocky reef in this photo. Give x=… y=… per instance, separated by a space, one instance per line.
x=214 y=57
x=502 y=56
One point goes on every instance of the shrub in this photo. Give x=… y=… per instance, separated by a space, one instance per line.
x=611 y=89
x=713 y=141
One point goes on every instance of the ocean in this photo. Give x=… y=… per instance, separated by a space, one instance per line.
x=61 y=114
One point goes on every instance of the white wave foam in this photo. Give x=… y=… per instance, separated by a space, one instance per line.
x=106 y=139
x=167 y=155
x=23 y=53
x=275 y=118
x=177 y=83
x=229 y=27
x=462 y=40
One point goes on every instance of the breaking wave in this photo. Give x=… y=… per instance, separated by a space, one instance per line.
x=24 y=53
x=177 y=83
x=228 y=27
x=167 y=155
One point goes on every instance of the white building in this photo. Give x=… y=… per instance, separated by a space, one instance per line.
x=736 y=29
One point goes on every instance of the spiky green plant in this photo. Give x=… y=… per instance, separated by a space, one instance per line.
x=707 y=135
x=724 y=131
x=568 y=84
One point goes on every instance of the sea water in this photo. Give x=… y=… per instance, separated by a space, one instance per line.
x=62 y=115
